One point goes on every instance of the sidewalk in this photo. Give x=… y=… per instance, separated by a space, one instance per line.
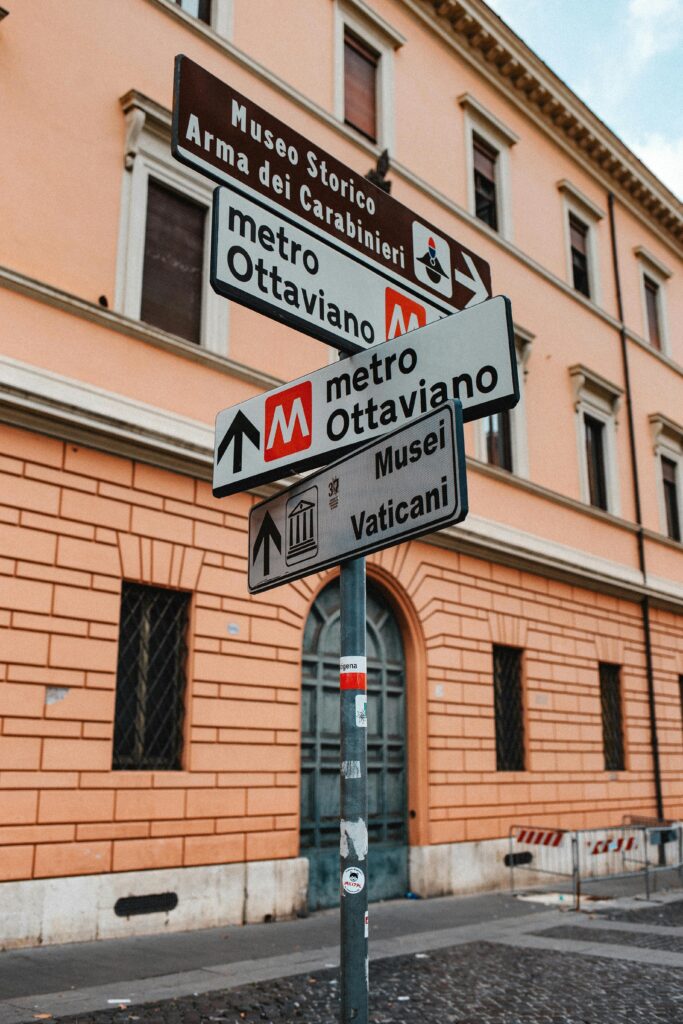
x=514 y=960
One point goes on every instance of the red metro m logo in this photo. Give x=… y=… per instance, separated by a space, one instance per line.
x=289 y=422
x=402 y=314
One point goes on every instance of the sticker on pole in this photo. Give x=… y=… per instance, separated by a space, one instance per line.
x=353 y=880
x=361 y=711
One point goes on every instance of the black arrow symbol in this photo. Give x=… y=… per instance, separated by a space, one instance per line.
x=267 y=531
x=240 y=428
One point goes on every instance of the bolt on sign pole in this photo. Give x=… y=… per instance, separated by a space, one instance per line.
x=353 y=844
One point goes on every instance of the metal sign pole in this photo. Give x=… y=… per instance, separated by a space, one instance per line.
x=353 y=845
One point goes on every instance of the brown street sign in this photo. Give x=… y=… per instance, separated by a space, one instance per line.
x=298 y=213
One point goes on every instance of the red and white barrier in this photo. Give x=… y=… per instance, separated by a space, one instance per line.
x=540 y=836
x=612 y=845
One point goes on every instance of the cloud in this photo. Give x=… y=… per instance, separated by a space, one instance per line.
x=652 y=27
x=664 y=156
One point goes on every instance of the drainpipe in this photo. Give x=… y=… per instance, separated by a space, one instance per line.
x=645 y=603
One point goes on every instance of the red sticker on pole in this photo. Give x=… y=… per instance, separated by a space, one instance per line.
x=352 y=673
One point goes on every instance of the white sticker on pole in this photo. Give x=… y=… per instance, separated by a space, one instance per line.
x=361 y=711
x=353 y=880
x=366 y=924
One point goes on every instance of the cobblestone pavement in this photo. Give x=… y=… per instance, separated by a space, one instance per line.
x=615 y=937
x=669 y=914
x=476 y=983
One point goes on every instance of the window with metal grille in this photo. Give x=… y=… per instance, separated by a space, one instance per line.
x=670 y=485
x=595 y=461
x=652 y=307
x=150 y=678
x=507 y=692
x=173 y=263
x=499 y=439
x=200 y=9
x=578 y=239
x=612 y=729
x=360 y=85
x=485 y=200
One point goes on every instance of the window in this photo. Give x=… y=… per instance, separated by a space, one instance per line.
x=578 y=240
x=364 y=67
x=507 y=691
x=216 y=14
x=612 y=730
x=164 y=236
x=653 y=277
x=596 y=402
x=668 y=448
x=360 y=86
x=499 y=439
x=595 y=461
x=671 y=498
x=488 y=142
x=581 y=226
x=652 y=310
x=150 y=678
x=173 y=268
x=200 y=9
x=485 y=206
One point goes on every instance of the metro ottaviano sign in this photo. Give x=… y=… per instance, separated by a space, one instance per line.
x=301 y=237
x=306 y=423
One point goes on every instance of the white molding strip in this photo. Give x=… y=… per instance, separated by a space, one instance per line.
x=51 y=296
x=63 y=407
x=40 y=400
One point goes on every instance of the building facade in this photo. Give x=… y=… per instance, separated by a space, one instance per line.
x=169 y=745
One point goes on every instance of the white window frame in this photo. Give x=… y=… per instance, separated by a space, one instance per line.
x=148 y=155
x=667 y=441
x=599 y=398
x=222 y=15
x=659 y=273
x=584 y=209
x=380 y=36
x=518 y=426
x=479 y=121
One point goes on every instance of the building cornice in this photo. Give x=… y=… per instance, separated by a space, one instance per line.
x=492 y=45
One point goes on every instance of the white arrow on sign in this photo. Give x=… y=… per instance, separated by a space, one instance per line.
x=472 y=281
x=305 y=424
x=402 y=485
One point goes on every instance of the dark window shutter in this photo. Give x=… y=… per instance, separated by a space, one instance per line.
x=499 y=440
x=485 y=199
x=595 y=462
x=507 y=694
x=670 y=482
x=200 y=9
x=578 y=234
x=360 y=86
x=150 y=678
x=174 y=262
x=612 y=729
x=652 y=304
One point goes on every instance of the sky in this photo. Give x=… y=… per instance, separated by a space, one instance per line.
x=624 y=58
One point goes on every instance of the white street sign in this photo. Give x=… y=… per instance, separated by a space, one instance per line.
x=407 y=483
x=304 y=424
x=263 y=259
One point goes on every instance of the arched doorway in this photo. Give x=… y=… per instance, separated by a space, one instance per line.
x=388 y=858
